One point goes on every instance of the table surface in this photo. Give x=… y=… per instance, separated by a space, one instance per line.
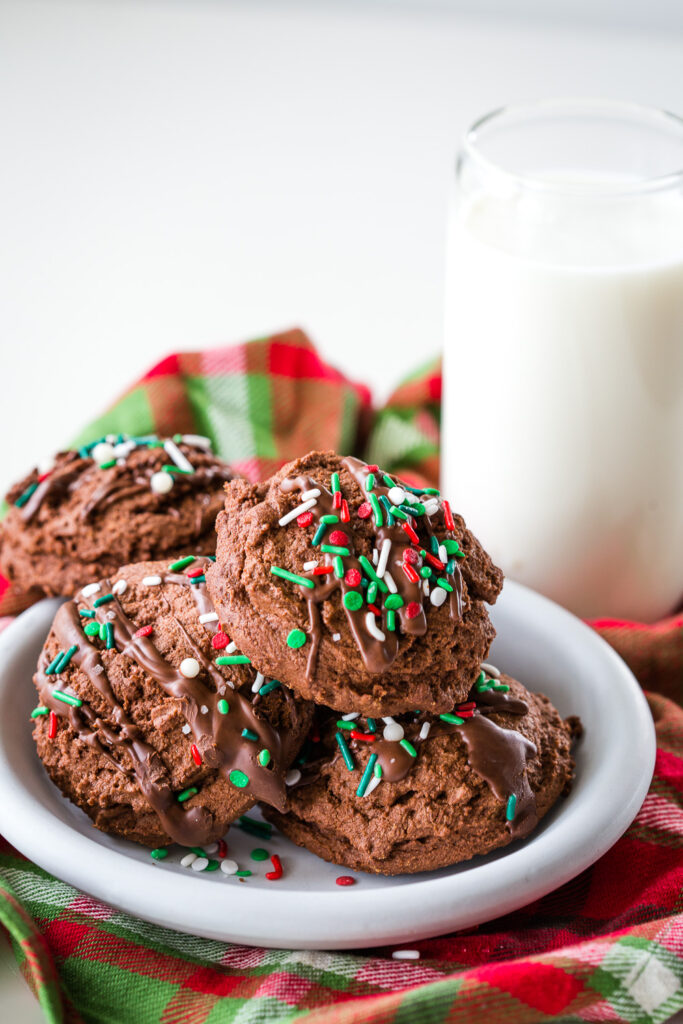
x=181 y=176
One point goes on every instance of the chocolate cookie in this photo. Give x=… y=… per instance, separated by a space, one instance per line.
x=355 y=589
x=423 y=792
x=116 y=501
x=148 y=717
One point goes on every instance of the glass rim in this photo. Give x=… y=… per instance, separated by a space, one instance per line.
x=618 y=109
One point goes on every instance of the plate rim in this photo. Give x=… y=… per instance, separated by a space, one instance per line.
x=352 y=917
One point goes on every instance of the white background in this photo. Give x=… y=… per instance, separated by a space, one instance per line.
x=179 y=175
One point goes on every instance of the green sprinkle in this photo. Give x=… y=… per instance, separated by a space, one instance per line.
x=369 y=570
x=434 y=544
x=452 y=547
x=109 y=630
x=259 y=854
x=242 y=874
x=198 y=579
x=85 y=613
x=329 y=519
x=296 y=638
x=335 y=483
x=341 y=724
x=409 y=747
x=233 y=659
x=37 y=712
x=425 y=572
x=417 y=509
x=353 y=600
x=319 y=534
x=393 y=602
x=238 y=778
x=223 y=706
x=483 y=683
x=103 y=632
x=198 y=850
x=369 y=482
x=500 y=687
x=55 y=661
x=182 y=563
x=264 y=758
x=397 y=511
x=213 y=865
x=431 y=491
x=378 y=770
x=452 y=719
x=371 y=725
x=285 y=574
x=269 y=687
x=67 y=698
x=92 y=629
x=23 y=498
x=346 y=753
x=388 y=481
x=334 y=549
x=391 y=621
x=366 y=776
x=186 y=794
x=338 y=567
x=108 y=464
x=177 y=470
x=450 y=566
x=249 y=734
x=66 y=658
x=159 y=854
x=372 y=592
x=511 y=807
x=445 y=584
x=264 y=828
x=105 y=599
x=377 y=509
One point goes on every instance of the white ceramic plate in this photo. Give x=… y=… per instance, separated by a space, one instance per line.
x=538 y=643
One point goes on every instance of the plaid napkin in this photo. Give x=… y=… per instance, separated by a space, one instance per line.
x=607 y=946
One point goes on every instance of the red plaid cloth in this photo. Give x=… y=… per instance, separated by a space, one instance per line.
x=607 y=946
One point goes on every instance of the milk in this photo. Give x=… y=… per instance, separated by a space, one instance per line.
x=563 y=410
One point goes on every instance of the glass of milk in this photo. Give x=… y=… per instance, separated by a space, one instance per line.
x=563 y=363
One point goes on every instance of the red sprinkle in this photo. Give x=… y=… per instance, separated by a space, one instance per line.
x=411 y=556
x=222 y=848
x=305 y=519
x=374 y=609
x=465 y=714
x=314 y=736
x=196 y=756
x=364 y=510
x=44 y=476
x=52 y=726
x=410 y=573
x=344 y=880
x=194 y=572
x=352 y=578
x=373 y=469
x=322 y=570
x=448 y=516
x=435 y=562
x=276 y=873
x=469 y=706
x=366 y=737
x=413 y=610
x=411 y=532
x=339 y=537
x=344 y=514
x=337 y=499
x=219 y=641
x=144 y=631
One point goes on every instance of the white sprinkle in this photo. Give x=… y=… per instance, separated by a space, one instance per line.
x=188 y=860
x=189 y=667
x=151 y=581
x=375 y=556
x=229 y=867
x=424 y=731
x=438 y=596
x=310 y=565
x=406 y=954
x=186 y=729
x=120 y=462
x=393 y=732
x=102 y=452
x=372 y=785
x=313 y=493
x=389 y=580
x=203 y=710
x=396 y=495
x=196 y=441
x=336 y=637
x=161 y=483
x=258 y=682
x=211 y=848
x=174 y=453
x=200 y=863
x=231 y=648
x=111 y=438
x=292 y=777
x=230 y=683
x=297 y=511
x=384 y=557
x=410 y=498
x=208 y=617
x=120 y=587
x=123 y=450
x=351 y=716
x=443 y=554
x=425 y=588
x=90 y=589
x=372 y=627
x=490 y=670
x=389 y=720
x=431 y=506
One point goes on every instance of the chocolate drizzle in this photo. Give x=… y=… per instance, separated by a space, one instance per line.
x=217 y=736
x=378 y=654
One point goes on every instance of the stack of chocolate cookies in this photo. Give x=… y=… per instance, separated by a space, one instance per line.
x=329 y=662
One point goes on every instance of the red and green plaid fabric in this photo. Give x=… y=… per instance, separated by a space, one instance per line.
x=607 y=946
